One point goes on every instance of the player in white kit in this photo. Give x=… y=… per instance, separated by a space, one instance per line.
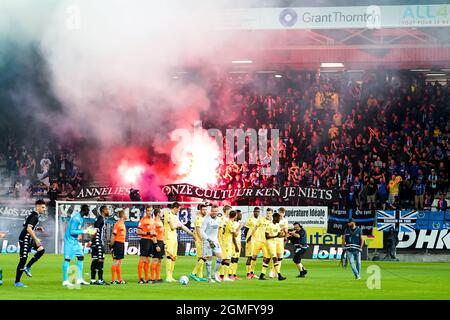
x=211 y=247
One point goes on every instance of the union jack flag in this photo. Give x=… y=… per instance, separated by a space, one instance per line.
x=400 y=220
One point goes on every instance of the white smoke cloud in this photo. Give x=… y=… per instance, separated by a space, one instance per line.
x=110 y=63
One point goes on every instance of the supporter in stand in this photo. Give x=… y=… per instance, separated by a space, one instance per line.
x=334 y=132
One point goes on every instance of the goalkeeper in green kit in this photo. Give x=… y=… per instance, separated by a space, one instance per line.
x=72 y=245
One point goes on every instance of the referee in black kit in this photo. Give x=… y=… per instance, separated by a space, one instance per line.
x=298 y=239
x=27 y=241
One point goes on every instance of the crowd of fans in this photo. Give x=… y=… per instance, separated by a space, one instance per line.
x=32 y=171
x=382 y=141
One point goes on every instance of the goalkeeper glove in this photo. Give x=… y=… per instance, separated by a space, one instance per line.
x=91 y=230
x=211 y=244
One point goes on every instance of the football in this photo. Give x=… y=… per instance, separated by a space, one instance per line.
x=184 y=280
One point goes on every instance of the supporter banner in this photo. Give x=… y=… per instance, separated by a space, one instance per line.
x=188 y=190
x=424 y=239
x=364 y=219
x=432 y=220
x=93 y=192
x=335 y=17
x=338 y=219
x=399 y=220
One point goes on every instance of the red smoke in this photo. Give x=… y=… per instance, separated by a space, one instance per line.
x=129 y=173
x=197 y=158
x=133 y=167
x=194 y=159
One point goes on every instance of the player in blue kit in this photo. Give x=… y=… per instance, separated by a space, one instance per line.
x=72 y=246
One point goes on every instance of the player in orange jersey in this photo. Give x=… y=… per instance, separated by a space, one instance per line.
x=118 y=247
x=145 y=231
x=158 y=247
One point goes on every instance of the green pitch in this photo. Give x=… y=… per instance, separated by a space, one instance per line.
x=325 y=280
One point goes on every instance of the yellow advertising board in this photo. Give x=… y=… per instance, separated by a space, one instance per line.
x=320 y=236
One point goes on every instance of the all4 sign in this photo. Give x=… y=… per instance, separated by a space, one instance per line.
x=424 y=239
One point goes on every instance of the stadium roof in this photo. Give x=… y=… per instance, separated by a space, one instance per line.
x=357 y=48
x=402 y=48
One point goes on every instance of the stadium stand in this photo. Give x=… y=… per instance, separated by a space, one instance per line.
x=339 y=133
x=381 y=140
